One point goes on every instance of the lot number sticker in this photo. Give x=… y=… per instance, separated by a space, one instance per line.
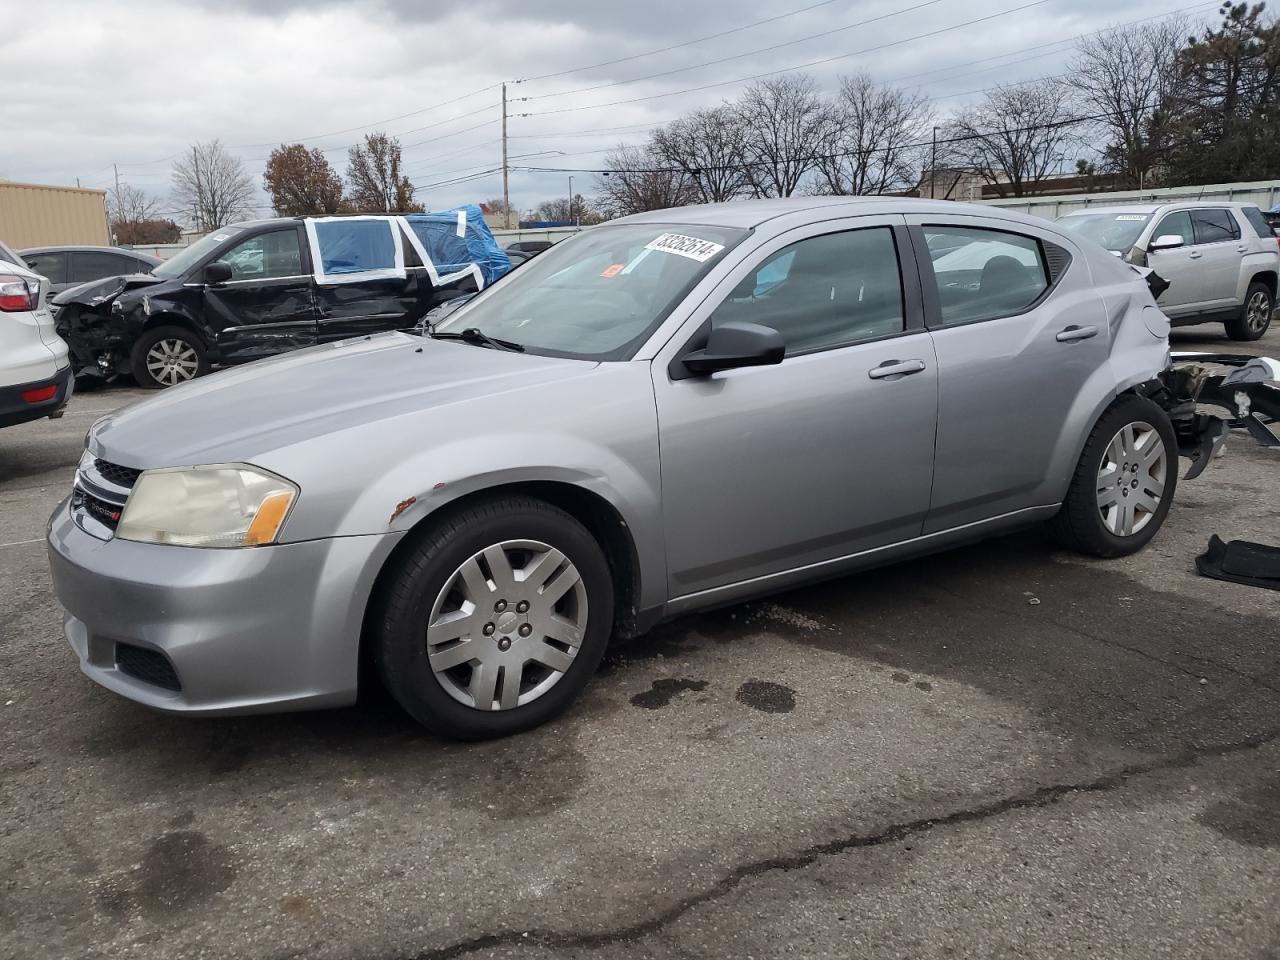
x=1132 y=216
x=682 y=246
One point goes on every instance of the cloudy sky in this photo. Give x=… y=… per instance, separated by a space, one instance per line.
x=87 y=84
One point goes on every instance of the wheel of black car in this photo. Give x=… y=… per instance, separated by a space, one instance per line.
x=1255 y=315
x=1124 y=483
x=168 y=356
x=494 y=619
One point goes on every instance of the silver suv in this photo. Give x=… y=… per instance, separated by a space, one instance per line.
x=670 y=412
x=1219 y=259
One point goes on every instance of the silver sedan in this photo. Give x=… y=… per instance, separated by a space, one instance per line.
x=669 y=412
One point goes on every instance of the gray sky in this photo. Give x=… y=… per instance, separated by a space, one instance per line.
x=85 y=84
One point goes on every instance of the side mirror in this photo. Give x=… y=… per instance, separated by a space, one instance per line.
x=1168 y=241
x=736 y=344
x=218 y=272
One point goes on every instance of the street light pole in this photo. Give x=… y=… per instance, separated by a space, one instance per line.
x=933 y=167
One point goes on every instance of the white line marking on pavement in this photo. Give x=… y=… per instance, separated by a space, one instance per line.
x=19 y=543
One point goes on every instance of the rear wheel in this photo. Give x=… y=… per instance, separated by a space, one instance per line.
x=168 y=356
x=1124 y=483
x=495 y=619
x=1255 y=315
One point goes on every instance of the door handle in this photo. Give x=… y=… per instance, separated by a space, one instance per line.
x=893 y=369
x=1073 y=333
x=1193 y=255
x=1242 y=249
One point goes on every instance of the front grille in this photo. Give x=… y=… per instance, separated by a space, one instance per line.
x=149 y=666
x=114 y=473
x=99 y=495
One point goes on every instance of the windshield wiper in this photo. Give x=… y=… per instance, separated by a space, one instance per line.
x=473 y=335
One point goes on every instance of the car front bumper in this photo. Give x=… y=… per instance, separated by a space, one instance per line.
x=244 y=631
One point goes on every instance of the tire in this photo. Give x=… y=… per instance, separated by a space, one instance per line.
x=439 y=678
x=1084 y=524
x=1255 y=315
x=166 y=356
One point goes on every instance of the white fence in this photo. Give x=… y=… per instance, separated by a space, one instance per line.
x=1264 y=193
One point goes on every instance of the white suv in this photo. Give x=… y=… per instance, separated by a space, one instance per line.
x=35 y=371
x=1221 y=260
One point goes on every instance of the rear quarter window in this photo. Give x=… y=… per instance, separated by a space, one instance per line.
x=1258 y=222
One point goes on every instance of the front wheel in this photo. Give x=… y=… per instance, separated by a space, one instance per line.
x=494 y=620
x=168 y=356
x=1255 y=315
x=1124 y=483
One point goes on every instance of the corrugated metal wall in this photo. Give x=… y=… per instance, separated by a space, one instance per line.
x=33 y=215
x=1264 y=193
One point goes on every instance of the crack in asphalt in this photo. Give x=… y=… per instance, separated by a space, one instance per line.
x=807 y=856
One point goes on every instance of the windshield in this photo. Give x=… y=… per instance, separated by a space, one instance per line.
x=184 y=260
x=597 y=295
x=1117 y=232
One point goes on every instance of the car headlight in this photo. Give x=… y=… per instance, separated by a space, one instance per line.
x=227 y=505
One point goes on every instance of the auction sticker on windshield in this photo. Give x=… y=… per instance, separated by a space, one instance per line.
x=682 y=246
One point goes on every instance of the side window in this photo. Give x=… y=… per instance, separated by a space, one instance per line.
x=51 y=266
x=1177 y=225
x=94 y=265
x=827 y=291
x=984 y=274
x=266 y=256
x=1258 y=222
x=1215 y=226
x=355 y=246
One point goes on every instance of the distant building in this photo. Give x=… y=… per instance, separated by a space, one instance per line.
x=33 y=215
x=968 y=185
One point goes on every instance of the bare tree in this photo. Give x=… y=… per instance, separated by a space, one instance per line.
x=374 y=180
x=709 y=146
x=1124 y=76
x=1015 y=137
x=637 y=179
x=211 y=186
x=127 y=204
x=871 y=144
x=783 y=122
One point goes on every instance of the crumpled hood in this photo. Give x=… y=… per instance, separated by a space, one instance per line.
x=242 y=413
x=98 y=291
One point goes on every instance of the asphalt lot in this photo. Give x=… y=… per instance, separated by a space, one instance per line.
x=1004 y=750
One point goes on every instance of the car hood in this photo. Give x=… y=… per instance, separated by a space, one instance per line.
x=244 y=413
x=96 y=291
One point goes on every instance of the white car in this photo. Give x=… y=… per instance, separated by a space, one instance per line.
x=35 y=370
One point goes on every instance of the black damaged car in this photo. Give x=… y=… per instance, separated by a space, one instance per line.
x=261 y=288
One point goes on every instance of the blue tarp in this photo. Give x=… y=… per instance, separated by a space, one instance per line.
x=452 y=250
x=355 y=246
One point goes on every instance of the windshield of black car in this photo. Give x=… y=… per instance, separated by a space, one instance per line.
x=599 y=294
x=182 y=261
x=1115 y=231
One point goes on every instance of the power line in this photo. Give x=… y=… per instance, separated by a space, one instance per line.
x=677 y=46
x=801 y=66
x=738 y=56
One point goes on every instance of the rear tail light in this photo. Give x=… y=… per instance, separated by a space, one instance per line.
x=16 y=293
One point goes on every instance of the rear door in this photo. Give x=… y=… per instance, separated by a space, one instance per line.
x=266 y=307
x=1022 y=345
x=1220 y=249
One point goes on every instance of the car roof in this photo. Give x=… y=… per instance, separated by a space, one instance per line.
x=87 y=248
x=746 y=214
x=1153 y=207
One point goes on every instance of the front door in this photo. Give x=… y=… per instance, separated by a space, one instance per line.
x=830 y=452
x=266 y=307
x=1179 y=266
x=1016 y=367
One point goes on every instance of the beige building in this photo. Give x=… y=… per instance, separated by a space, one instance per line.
x=33 y=215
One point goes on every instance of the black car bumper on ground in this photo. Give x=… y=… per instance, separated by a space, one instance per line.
x=32 y=401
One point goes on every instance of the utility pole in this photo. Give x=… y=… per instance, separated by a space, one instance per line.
x=575 y=222
x=506 y=182
x=933 y=167
x=116 y=170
